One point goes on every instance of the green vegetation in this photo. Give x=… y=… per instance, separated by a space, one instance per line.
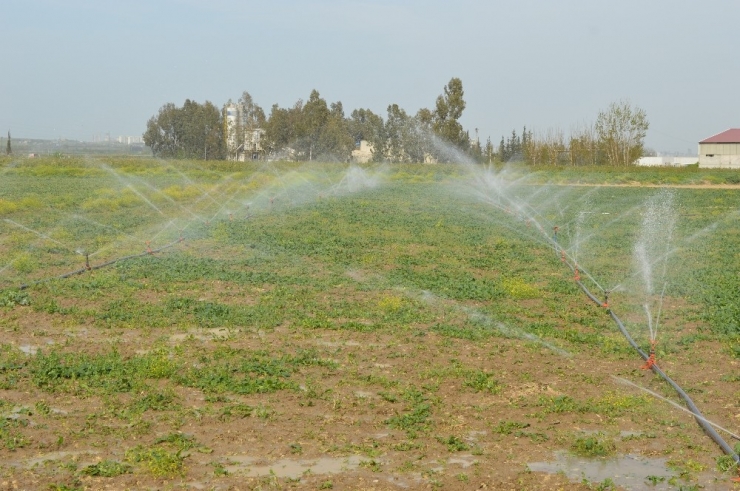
x=403 y=325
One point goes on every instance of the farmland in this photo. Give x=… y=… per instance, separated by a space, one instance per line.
x=320 y=326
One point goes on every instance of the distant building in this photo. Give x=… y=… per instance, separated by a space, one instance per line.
x=363 y=152
x=666 y=161
x=242 y=142
x=721 y=150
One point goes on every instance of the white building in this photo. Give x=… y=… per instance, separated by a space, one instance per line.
x=244 y=146
x=721 y=150
x=666 y=161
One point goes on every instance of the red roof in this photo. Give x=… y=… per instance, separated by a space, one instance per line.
x=729 y=136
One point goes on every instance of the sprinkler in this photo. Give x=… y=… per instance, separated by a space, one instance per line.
x=555 y=233
x=606 y=299
x=231 y=217
x=576 y=274
x=650 y=362
x=149 y=247
x=181 y=237
x=87 y=261
x=562 y=255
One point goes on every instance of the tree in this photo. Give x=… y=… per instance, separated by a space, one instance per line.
x=621 y=131
x=8 y=151
x=194 y=131
x=282 y=128
x=365 y=125
x=448 y=110
x=313 y=119
x=583 y=145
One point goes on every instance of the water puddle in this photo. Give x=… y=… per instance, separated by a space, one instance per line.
x=463 y=460
x=292 y=469
x=632 y=472
x=51 y=457
x=30 y=349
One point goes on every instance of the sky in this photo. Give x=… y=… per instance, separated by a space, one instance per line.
x=76 y=69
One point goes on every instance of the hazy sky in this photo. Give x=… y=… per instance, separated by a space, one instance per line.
x=78 y=68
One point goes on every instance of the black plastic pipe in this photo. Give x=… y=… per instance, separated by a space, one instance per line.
x=700 y=419
x=100 y=266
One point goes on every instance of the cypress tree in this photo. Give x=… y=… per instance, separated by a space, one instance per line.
x=7 y=147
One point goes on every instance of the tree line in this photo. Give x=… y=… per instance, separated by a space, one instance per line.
x=318 y=130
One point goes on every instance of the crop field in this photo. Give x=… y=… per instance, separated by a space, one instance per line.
x=324 y=326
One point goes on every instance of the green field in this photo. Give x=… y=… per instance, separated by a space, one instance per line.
x=382 y=326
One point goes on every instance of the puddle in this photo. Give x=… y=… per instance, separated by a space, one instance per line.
x=50 y=457
x=629 y=471
x=30 y=349
x=292 y=469
x=463 y=460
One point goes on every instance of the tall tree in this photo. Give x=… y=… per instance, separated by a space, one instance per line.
x=313 y=119
x=8 y=151
x=366 y=125
x=621 y=131
x=449 y=108
x=283 y=129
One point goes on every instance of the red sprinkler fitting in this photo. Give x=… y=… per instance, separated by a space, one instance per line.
x=577 y=275
x=562 y=255
x=606 y=300
x=181 y=238
x=650 y=362
x=231 y=217
x=149 y=247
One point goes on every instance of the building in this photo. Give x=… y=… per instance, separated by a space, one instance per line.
x=363 y=152
x=242 y=141
x=666 y=161
x=721 y=150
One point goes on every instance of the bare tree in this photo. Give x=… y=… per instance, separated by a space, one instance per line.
x=621 y=130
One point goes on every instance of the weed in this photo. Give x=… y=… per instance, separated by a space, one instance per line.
x=655 y=480
x=157 y=461
x=482 y=381
x=416 y=418
x=508 y=427
x=372 y=464
x=237 y=411
x=453 y=444
x=106 y=468
x=593 y=446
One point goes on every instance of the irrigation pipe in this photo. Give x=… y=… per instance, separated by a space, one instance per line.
x=698 y=416
x=88 y=267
